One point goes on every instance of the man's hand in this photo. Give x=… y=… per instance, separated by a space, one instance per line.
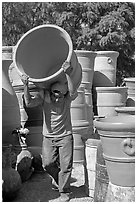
x=25 y=79
x=67 y=67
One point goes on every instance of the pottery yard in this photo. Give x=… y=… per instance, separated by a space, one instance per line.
x=102 y=118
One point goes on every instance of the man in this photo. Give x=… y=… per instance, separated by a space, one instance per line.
x=57 y=148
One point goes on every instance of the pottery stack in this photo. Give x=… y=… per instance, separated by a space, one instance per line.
x=117 y=131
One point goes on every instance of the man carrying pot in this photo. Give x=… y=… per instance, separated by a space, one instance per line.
x=57 y=148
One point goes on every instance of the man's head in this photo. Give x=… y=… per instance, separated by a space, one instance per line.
x=58 y=91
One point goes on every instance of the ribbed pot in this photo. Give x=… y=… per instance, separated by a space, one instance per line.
x=130 y=84
x=105 y=68
x=108 y=98
x=80 y=125
x=118 y=140
x=10 y=106
x=41 y=52
x=86 y=59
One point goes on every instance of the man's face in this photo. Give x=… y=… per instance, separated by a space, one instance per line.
x=57 y=96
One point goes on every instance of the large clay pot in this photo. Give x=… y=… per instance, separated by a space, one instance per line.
x=80 y=125
x=117 y=135
x=105 y=68
x=130 y=83
x=108 y=98
x=41 y=52
x=10 y=106
x=86 y=59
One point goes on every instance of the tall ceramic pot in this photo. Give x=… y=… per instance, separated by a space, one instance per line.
x=42 y=51
x=105 y=68
x=86 y=59
x=80 y=125
x=130 y=84
x=10 y=106
x=108 y=98
x=117 y=135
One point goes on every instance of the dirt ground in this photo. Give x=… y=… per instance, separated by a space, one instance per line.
x=38 y=188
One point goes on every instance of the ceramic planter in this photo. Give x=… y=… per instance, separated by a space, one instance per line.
x=86 y=59
x=105 y=68
x=108 y=98
x=10 y=106
x=130 y=83
x=117 y=135
x=41 y=52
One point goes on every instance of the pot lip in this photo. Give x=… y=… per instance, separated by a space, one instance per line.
x=110 y=88
x=85 y=51
x=68 y=57
x=107 y=52
x=125 y=109
x=129 y=79
x=116 y=123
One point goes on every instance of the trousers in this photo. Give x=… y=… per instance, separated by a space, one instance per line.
x=57 y=159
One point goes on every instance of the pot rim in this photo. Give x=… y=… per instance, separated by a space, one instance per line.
x=111 y=88
x=129 y=79
x=125 y=109
x=107 y=52
x=116 y=123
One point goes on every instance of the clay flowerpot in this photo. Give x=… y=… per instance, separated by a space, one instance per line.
x=105 y=68
x=108 y=98
x=86 y=59
x=130 y=83
x=41 y=53
x=118 y=140
x=10 y=106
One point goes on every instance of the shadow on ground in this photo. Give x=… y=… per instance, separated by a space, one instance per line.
x=38 y=189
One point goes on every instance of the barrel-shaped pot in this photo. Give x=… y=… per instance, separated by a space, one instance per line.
x=41 y=52
x=86 y=59
x=117 y=135
x=105 y=68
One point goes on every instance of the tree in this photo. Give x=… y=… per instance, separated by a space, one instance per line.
x=91 y=25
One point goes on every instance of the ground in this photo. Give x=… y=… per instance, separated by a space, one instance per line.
x=38 y=188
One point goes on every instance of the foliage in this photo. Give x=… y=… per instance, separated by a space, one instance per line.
x=91 y=25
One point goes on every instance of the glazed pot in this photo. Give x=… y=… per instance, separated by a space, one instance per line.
x=41 y=53
x=108 y=98
x=117 y=135
x=130 y=83
x=10 y=106
x=105 y=68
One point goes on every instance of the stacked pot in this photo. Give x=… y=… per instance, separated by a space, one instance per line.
x=116 y=131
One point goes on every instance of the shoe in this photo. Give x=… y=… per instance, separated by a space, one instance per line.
x=64 y=197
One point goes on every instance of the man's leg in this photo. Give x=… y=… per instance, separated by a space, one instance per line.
x=50 y=156
x=66 y=162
